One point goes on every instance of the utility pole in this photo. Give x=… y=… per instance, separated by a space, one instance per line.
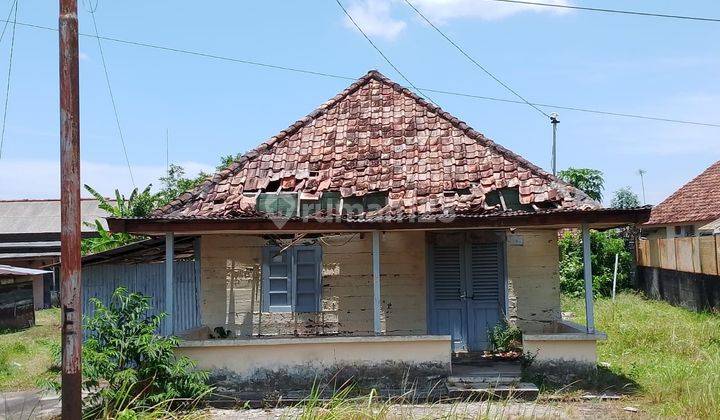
x=554 y=120
x=642 y=173
x=70 y=287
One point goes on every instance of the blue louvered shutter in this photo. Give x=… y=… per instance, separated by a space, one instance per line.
x=486 y=271
x=447 y=272
x=277 y=281
x=307 y=275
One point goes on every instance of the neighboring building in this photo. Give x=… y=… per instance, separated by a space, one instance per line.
x=372 y=240
x=17 y=307
x=30 y=238
x=688 y=209
x=140 y=267
x=679 y=253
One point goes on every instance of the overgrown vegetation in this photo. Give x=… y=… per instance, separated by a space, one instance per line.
x=26 y=355
x=672 y=354
x=588 y=180
x=505 y=337
x=128 y=368
x=625 y=198
x=603 y=247
x=142 y=203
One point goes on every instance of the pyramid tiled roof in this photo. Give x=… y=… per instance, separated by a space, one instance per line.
x=696 y=201
x=379 y=136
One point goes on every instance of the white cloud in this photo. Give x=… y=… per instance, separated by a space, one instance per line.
x=35 y=178
x=440 y=11
x=83 y=57
x=373 y=16
x=376 y=19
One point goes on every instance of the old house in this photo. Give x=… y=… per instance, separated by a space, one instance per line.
x=30 y=238
x=378 y=236
x=17 y=300
x=679 y=254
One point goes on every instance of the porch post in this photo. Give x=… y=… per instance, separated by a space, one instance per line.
x=376 y=281
x=587 y=265
x=169 y=289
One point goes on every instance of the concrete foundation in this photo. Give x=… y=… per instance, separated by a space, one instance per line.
x=269 y=369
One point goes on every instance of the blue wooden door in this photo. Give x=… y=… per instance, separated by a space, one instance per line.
x=466 y=285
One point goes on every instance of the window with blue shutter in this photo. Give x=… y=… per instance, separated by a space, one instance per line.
x=292 y=279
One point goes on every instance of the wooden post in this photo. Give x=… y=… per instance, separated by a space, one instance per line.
x=587 y=265
x=70 y=235
x=376 y=282
x=169 y=286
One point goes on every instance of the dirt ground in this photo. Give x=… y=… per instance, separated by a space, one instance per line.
x=493 y=410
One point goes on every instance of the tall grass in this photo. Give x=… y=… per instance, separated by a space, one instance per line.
x=671 y=353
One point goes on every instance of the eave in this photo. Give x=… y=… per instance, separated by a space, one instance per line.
x=552 y=219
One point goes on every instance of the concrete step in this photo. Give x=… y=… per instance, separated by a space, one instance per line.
x=489 y=379
x=522 y=390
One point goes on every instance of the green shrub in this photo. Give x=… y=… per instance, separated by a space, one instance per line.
x=603 y=247
x=504 y=337
x=128 y=368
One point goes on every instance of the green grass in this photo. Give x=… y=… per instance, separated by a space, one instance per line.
x=672 y=354
x=26 y=355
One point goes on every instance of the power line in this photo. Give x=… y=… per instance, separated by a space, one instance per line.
x=112 y=97
x=472 y=60
x=572 y=108
x=7 y=86
x=624 y=12
x=378 y=49
x=345 y=77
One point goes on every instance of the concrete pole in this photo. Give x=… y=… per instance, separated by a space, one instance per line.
x=554 y=120
x=70 y=236
x=587 y=265
x=169 y=286
x=376 y=282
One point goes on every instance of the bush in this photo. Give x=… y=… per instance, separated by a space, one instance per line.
x=603 y=247
x=128 y=368
x=504 y=337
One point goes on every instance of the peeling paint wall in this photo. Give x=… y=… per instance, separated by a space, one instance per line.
x=533 y=279
x=231 y=285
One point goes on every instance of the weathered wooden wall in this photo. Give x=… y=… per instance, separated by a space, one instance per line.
x=691 y=254
x=100 y=281
x=231 y=286
x=533 y=279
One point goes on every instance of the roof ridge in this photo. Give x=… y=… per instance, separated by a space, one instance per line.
x=474 y=134
x=234 y=167
x=373 y=74
x=678 y=191
x=677 y=194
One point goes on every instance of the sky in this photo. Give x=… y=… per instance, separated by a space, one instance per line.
x=208 y=108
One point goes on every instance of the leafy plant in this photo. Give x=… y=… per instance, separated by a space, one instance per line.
x=175 y=183
x=588 y=180
x=505 y=337
x=625 y=198
x=603 y=247
x=139 y=204
x=128 y=368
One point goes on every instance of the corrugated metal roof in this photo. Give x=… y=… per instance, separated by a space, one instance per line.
x=43 y=216
x=8 y=270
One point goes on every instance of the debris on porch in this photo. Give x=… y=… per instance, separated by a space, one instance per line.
x=489 y=379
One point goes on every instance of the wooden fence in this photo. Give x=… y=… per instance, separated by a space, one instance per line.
x=693 y=254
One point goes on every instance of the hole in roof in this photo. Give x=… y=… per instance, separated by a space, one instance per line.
x=507 y=199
